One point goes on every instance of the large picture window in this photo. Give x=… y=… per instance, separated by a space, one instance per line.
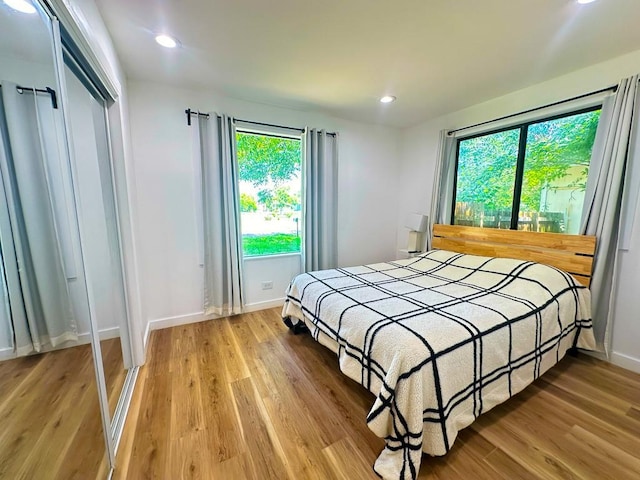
x=528 y=177
x=270 y=192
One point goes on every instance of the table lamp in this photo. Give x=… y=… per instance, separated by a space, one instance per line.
x=417 y=225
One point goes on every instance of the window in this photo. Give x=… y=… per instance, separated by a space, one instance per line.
x=270 y=187
x=528 y=177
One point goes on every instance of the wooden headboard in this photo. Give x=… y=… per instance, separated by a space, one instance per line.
x=571 y=253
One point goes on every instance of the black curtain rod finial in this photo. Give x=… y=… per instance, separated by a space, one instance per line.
x=190 y=112
x=47 y=90
x=54 y=99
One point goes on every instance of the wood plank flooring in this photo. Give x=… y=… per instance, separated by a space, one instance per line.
x=242 y=398
x=49 y=413
x=114 y=371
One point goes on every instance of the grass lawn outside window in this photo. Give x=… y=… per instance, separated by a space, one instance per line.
x=270 y=244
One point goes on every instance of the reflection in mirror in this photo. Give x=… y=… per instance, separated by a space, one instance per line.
x=49 y=409
x=97 y=210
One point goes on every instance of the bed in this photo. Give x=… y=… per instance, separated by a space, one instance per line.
x=440 y=338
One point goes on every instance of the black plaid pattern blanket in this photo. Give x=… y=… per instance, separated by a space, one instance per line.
x=440 y=339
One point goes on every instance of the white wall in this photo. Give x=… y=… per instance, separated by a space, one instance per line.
x=420 y=145
x=279 y=269
x=162 y=147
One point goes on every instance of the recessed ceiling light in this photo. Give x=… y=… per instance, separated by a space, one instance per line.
x=166 y=41
x=387 y=99
x=582 y=2
x=23 y=6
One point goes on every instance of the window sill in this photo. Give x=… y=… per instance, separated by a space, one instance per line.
x=267 y=257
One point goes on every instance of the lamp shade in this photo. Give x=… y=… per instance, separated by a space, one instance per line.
x=416 y=222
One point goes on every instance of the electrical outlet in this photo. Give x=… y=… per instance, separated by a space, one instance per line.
x=267 y=285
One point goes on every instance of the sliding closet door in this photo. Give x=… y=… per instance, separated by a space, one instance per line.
x=51 y=419
x=100 y=234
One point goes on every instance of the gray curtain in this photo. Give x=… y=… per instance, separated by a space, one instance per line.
x=442 y=193
x=603 y=196
x=35 y=287
x=221 y=215
x=320 y=201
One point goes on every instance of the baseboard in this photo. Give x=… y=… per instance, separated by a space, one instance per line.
x=625 y=361
x=145 y=339
x=254 y=307
x=7 y=353
x=178 y=320
x=104 y=334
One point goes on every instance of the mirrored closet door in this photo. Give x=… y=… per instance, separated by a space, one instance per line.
x=64 y=337
x=90 y=152
x=49 y=407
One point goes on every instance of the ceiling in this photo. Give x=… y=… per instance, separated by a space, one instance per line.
x=340 y=56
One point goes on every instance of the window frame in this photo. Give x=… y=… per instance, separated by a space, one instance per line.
x=250 y=130
x=520 y=161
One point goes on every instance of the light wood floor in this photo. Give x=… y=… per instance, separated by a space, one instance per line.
x=114 y=371
x=50 y=424
x=243 y=398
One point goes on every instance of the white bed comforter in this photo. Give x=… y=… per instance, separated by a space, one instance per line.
x=440 y=339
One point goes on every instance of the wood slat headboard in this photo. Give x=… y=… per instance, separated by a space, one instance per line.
x=571 y=253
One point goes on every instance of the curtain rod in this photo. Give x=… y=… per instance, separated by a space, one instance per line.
x=190 y=112
x=47 y=90
x=301 y=130
x=612 y=88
